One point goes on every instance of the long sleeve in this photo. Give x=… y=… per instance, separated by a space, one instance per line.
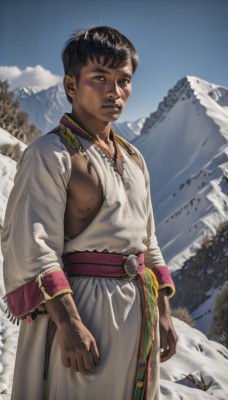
x=33 y=231
x=153 y=256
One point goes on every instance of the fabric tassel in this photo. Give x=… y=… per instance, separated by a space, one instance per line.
x=149 y=288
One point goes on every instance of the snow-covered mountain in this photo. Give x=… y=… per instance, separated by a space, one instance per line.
x=185 y=146
x=46 y=107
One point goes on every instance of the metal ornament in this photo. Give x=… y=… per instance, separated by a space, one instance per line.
x=131 y=266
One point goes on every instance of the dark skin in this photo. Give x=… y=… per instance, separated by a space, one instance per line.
x=98 y=98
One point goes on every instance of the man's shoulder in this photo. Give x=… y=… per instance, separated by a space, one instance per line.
x=47 y=149
x=47 y=143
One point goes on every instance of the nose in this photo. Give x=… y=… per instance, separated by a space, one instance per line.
x=113 y=90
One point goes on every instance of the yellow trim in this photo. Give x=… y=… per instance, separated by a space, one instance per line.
x=42 y=289
x=39 y=306
x=168 y=285
x=63 y=291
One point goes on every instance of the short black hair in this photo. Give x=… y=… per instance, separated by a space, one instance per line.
x=97 y=43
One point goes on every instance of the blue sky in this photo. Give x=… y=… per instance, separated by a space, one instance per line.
x=174 y=38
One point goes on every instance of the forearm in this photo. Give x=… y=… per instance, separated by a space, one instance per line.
x=168 y=336
x=163 y=302
x=62 y=310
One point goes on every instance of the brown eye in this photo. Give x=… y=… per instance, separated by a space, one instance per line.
x=99 y=78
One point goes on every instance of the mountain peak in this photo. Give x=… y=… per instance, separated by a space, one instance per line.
x=199 y=91
x=181 y=90
x=24 y=91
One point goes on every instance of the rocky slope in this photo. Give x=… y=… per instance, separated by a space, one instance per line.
x=199 y=280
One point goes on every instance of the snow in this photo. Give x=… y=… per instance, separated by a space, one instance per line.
x=8 y=331
x=7 y=138
x=44 y=107
x=197 y=356
x=7 y=170
x=129 y=130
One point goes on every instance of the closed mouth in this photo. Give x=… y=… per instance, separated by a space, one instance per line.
x=114 y=106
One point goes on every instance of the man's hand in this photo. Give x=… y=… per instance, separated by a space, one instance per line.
x=78 y=347
x=168 y=336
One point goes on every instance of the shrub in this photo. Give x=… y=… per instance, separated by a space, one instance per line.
x=219 y=325
x=11 y=150
x=207 y=241
x=12 y=120
x=183 y=314
x=222 y=227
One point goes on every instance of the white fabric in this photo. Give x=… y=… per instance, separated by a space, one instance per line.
x=33 y=241
x=32 y=238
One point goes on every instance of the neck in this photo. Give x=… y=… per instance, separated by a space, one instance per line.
x=98 y=129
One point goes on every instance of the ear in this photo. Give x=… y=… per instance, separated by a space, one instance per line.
x=69 y=83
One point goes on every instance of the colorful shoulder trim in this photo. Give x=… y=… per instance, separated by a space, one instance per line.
x=125 y=144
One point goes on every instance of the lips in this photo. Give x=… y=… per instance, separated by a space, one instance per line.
x=112 y=106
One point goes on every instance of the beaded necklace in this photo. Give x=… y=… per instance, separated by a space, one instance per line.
x=68 y=130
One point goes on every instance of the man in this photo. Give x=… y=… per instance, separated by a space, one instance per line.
x=77 y=236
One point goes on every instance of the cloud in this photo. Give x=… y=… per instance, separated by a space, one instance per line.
x=36 y=77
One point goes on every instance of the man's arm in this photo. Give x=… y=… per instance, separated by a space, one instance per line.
x=32 y=246
x=78 y=346
x=168 y=336
x=166 y=289
x=33 y=231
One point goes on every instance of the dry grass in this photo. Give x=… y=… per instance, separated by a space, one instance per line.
x=11 y=150
x=183 y=314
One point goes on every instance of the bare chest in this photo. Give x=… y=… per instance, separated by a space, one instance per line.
x=85 y=196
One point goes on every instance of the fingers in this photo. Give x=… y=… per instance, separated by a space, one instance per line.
x=74 y=365
x=169 y=347
x=91 y=357
x=84 y=362
x=163 y=340
x=94 y=353
x=88 y=361
x=66 y=361
x=81 y=365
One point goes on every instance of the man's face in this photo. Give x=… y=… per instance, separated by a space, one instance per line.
x=102 y=92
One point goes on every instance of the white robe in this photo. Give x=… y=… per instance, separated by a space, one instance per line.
x=33 y=242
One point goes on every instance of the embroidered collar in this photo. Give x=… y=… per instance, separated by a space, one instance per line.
x=69 y=129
